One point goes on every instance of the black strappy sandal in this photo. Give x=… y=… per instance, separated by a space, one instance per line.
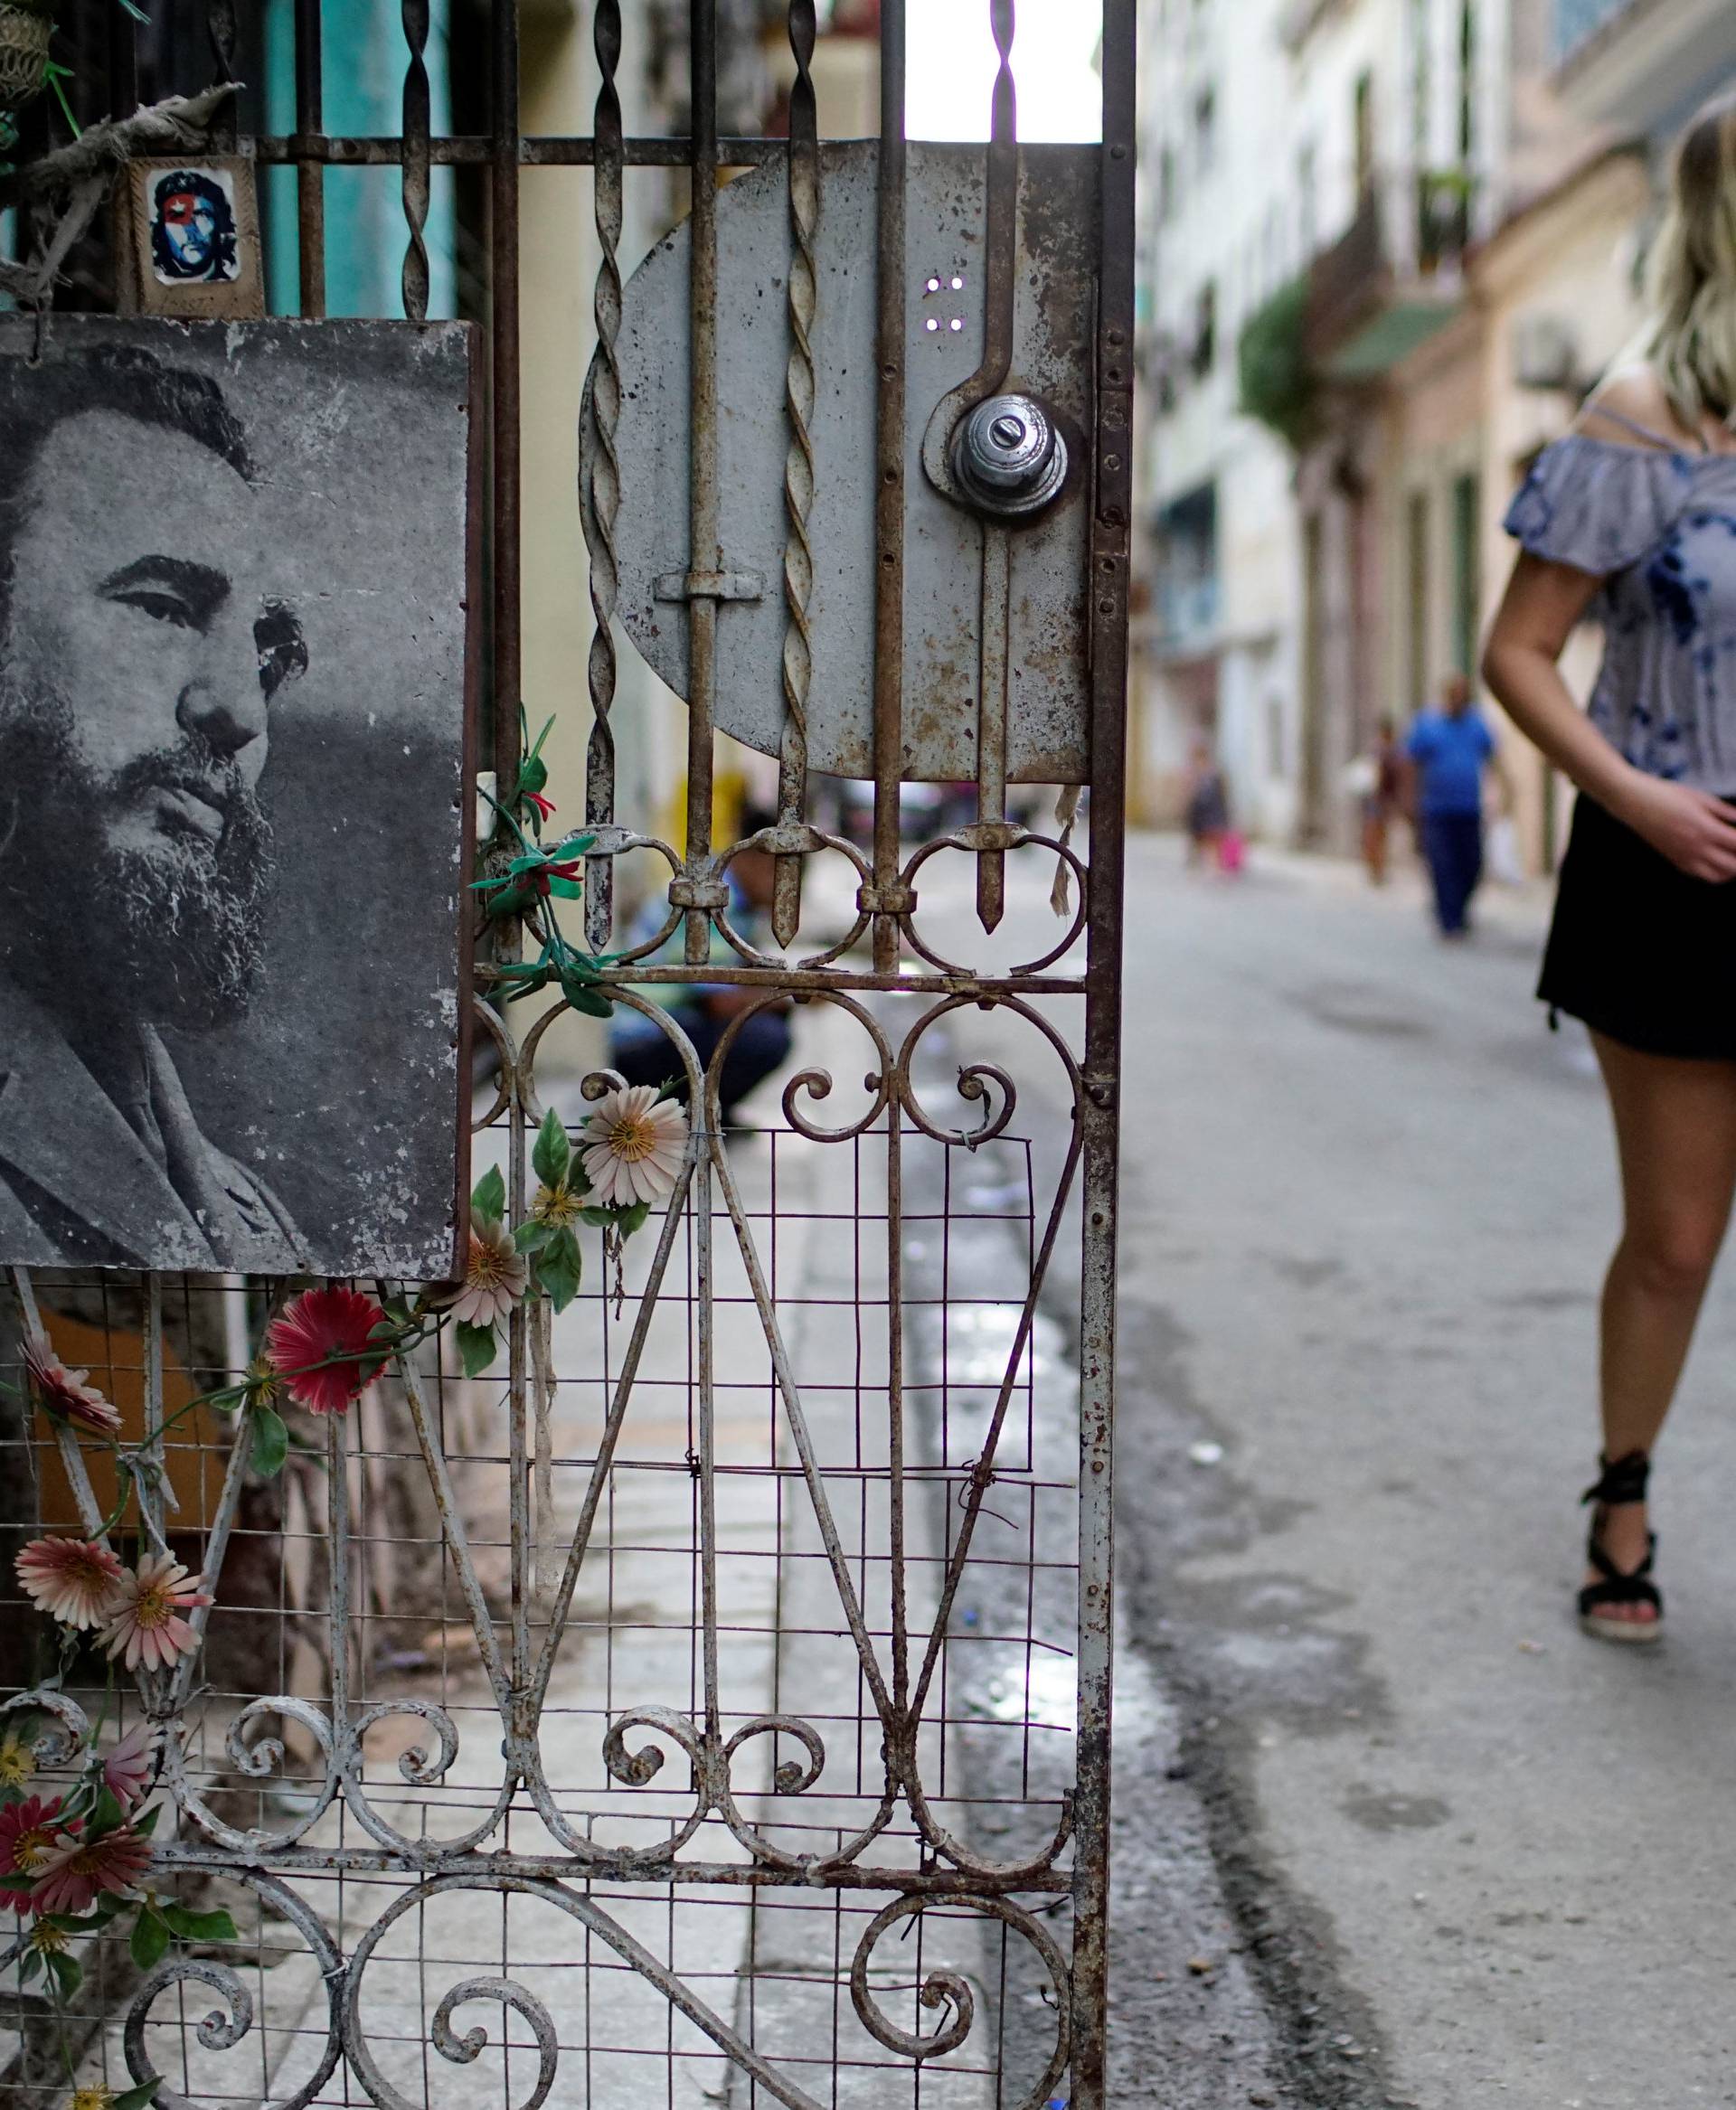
x=1617 y=1484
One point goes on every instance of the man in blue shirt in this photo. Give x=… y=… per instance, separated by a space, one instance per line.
x=1448 y=749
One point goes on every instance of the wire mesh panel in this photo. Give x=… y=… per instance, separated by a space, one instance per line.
x=712 y=1704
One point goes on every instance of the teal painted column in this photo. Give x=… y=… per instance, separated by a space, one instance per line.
x=366 y=234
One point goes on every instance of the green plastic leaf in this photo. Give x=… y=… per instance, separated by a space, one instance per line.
x=32 y=1964
x=633 y=1220
x=200 y=1926
x=553 y=1151
x=534 y=774
x=109 y=1906
x=107 y=1814
x=582 y=998
x=477 y=1348
x=488 y=1196
x=69 y=1974
x=568 y=890
x=137 y=2098
x=151 y=1937
x=17 y=1886
x=560 y=1269
x=532 y=1234
x=271 y=1442
x=146 y=1824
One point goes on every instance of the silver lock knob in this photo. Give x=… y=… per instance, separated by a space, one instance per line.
x=1009 y=456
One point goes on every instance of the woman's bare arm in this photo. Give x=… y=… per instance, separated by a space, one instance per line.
x=1544 y=602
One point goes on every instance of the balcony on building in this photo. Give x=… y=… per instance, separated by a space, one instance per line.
x=1642 y=66
x=1187 y=601
x=1395 y=277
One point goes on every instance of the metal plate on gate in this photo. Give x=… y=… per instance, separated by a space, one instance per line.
x=1048 y=686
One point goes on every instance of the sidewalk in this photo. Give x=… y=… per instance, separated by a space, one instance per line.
x=1523 y=907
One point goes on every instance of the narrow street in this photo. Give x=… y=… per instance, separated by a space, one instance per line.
x=1466 y=1854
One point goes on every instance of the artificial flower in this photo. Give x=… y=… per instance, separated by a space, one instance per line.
x=64 y=1393
x=633 y=1146
x=71 y=1580
x=322 y=1345
x=94 y=2098
x=146 y=1625
x=259 y=1385
x=78 y=1872
x=495 y=1274
x=17 y=1762
x=29 y=1834
x=568 y=869
x=560 y=1207
x=48 y=1937
x=544 y=806
x=126 y=1769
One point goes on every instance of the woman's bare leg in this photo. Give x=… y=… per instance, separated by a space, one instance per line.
x=1676 y=1136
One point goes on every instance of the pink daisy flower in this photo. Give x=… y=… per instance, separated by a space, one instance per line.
x=147 y=1624
x=127 y=1770
x=321 y=1324
x=76 y=1872
x=71 y=1580
x=64 y=1393
x=30 y=1832
x=496 y=1276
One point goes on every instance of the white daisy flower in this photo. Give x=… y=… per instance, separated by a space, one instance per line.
x=632 y=1146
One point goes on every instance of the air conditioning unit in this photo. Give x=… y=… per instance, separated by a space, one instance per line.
x=1546 y=353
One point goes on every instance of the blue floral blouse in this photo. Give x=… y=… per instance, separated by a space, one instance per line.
x=1658 y=526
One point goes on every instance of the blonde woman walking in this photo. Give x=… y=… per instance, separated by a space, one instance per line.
x=1633 y=516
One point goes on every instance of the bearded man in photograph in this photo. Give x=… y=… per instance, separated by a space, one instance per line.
x=140 y=651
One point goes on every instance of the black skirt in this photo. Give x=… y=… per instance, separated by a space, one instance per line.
x=1638 y=949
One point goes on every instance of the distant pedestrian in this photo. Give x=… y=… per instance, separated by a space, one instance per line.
x=1208 y=807
x=1378 y=782
x=1634 y=514
x=1451 y=749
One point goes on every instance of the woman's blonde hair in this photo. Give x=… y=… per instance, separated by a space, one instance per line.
x=1690 y=340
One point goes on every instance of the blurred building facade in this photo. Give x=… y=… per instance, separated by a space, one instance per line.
x=1387 y=244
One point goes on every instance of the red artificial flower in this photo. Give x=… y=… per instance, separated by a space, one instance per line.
x=323 y=1347
x=545 y=806
x=147 y=1624
x=64 y=1393
x=78 y=1872
x=572 y=869
x=74 y=1580
x=127 y=1770
x=29 y=1834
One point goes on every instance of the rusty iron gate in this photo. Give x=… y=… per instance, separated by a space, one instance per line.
x=717 y=1709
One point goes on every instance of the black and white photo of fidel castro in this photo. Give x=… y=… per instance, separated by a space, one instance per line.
x=142 y=650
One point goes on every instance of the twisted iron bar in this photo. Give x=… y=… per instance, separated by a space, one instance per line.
x=601 y=471
x=799 y=466
x=223 y=33
x=418 y=114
